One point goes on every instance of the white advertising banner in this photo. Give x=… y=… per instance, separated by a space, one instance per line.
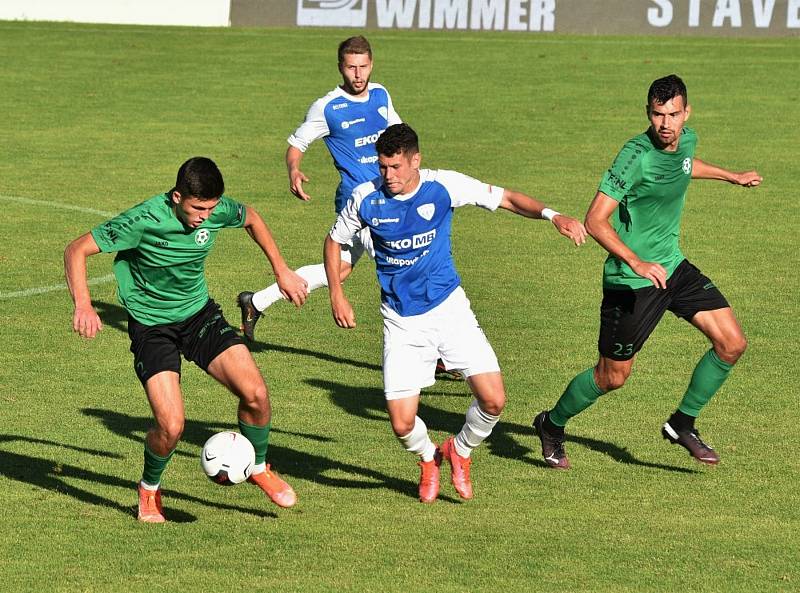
x=202 y=13
x=332 y=13
x=592 y=17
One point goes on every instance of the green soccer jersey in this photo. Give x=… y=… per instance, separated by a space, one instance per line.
x=160 y=263
x=650 y=186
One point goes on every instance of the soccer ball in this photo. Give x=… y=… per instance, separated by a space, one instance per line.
x=228 y=458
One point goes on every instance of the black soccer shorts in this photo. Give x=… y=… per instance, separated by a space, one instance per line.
x=629 y=316
x=200 y=338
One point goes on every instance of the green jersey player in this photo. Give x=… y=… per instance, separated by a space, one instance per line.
x=161 y=247
x=636 y=217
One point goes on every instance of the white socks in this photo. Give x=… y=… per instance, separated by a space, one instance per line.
x=478 y=426
x=417 y=441
x=314 y=275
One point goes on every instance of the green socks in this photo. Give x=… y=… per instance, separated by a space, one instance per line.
x=154 y=466
x=709 y=375
x=258 y=437
x=581 y=393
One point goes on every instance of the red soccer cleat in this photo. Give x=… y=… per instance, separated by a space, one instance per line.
x=278 y=491
x=429 y=478
x=459 y=469
x=150 y=510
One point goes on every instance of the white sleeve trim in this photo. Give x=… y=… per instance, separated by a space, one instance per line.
x=313 y=128
x=392 y=117
x=348 y=223
x=468 y=191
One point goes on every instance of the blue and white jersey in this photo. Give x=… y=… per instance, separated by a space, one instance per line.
x=350 y=127
x=411 y=235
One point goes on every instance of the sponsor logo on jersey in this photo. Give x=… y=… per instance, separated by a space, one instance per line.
x=368 y=160
x=201 y=236
x=615 y=180
x=426 y=211
x=417 y=241
x=365 y=140
x=687 y=165
x=339 y=106
x=352 y=122
x=379 y=221
x=398 y=261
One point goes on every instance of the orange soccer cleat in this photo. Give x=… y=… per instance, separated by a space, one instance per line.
x=150 y=510
x=429 y=478
x=278 y=491
x=459 y=469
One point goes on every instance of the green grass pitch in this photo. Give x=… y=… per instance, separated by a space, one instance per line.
x=97 y=118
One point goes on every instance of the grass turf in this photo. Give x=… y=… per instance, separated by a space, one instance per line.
x=99 y=117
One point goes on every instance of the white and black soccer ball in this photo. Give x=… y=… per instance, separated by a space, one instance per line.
x=228 y=458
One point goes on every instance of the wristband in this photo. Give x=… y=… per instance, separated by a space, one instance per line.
x=549 y=213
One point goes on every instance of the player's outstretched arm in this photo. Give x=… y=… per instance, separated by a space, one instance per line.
x=291 y=285
x=600 y=229
x=342 y=310
x=524 y=205
x=703 y=170
x=85 y=320
x=296 y=177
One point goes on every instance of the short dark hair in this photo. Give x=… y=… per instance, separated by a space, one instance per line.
x=199 y=177
x=396 y=139
x=664 y=89
x=354 y=45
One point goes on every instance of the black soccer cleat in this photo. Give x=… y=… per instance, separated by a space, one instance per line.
x=442 y=370
x=691 y=441
x=249 y=314
x=552 y=444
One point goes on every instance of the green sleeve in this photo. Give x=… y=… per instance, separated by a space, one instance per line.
x=230 y=213
x=625 y=172
x=122 y=232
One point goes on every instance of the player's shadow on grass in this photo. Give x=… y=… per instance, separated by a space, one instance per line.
x=369 y=403
x=287 y=461
x=55 y=476
x=268 y=347
x=115 y=316
x=112 y=315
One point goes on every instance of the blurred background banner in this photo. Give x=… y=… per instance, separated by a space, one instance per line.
x=201 y=13
x=589 y=17
x=602 y=17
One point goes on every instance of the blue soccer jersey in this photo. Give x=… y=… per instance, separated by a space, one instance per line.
x=350 y=126
x=411 y=235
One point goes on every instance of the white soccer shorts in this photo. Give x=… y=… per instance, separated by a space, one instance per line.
x=412 y=345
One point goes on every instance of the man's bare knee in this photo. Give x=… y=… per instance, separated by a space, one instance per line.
x=169 y=432
x=256 y=399
x=731 y=350
x=494 y=404
x=610 y=379
x=402 y=427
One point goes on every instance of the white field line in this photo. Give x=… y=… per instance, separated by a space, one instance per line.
x=60 y=205
x=49 y=204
